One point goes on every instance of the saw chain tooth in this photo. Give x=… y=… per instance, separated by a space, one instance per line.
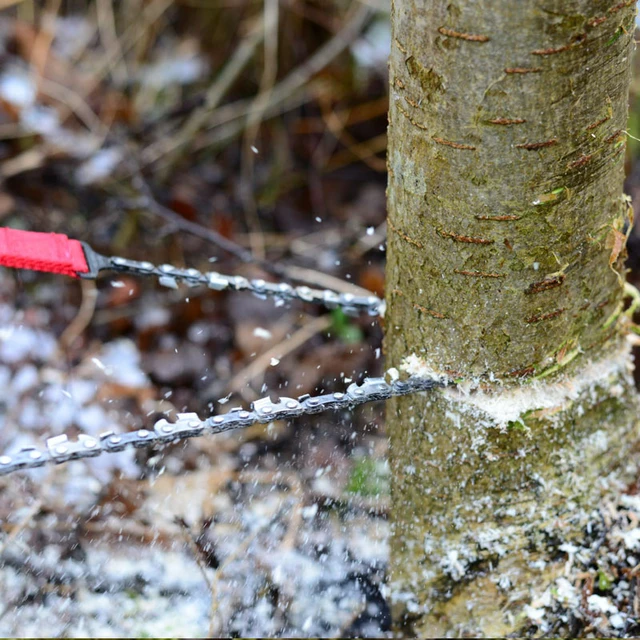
x=376 y=388
x=121 y=441
x=194 y=278
x=58 y=447
x=143 y=438
x=26 y=458
x=190 y=417
x=401 y=387
x=146 y=267
x=61 y=449
x=7 y=465
x=258 y=285
x=87 y=446
x=217 y=281
x=242 y=417
x=318 y=404
x=168 y=281
x=304 y=293
x=239 y=283
x=112 y=442
x=330 y=299
x=118 y=262
x=285 y=290
x=283 y=408
x=355 y=393
x=187 y=425
x=223 y=422
x=230 y=420
x=164 y=429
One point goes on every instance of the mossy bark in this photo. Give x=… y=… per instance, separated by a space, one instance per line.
x=505 y=250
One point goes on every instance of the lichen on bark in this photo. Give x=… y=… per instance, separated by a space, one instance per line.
x=505 y=267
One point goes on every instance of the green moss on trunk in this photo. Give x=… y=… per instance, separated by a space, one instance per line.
x=506 y=219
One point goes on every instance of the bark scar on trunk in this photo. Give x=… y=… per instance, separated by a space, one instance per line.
x=580 y=162
x=614 y=136
x=523 y=70
x=404 y=236
x=532 y=146
x=594 y=22
x=470 y=37
x=455 y=145
x=410 y=119
x=597 y=123
x=546 y=284
x=402 y=49
x=551 y=51
x=434 y=314
x=544 y=316
x=621 y=5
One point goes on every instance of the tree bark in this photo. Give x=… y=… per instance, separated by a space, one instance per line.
x=505 y=272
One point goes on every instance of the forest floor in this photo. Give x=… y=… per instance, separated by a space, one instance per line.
x=115 y=129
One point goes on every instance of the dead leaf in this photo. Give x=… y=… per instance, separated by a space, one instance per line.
x=617 y=241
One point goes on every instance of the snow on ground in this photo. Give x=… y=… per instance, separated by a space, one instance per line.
x=119 y=546
x=209 y=537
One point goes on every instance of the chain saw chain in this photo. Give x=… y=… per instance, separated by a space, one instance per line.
x=56 y=253
x=60 y=449
x=169 y=276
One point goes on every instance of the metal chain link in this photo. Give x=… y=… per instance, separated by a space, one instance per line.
x=60 y=449
x=169 y=276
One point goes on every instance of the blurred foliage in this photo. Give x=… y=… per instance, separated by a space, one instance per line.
x=369 y=478
x=344 y=327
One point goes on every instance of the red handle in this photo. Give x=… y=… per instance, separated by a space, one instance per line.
x=52 y=252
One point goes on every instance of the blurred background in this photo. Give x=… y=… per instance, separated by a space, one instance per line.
x=243 y=136
x=195 y=133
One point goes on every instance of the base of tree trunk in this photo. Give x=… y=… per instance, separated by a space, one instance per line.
x=477 y=538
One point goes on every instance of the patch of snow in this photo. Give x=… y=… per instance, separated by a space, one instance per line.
x=41 y=120
x=181 y=69
x=617 y=621
x=630 y=539
x=120 y=361
x=99 y=166
x=600 y=604
x=25 y=378
x=20 y=342
x=372 y=49
x=567 y=594
x=18 y=88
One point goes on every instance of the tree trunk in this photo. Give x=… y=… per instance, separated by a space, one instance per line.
x=505 y=272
